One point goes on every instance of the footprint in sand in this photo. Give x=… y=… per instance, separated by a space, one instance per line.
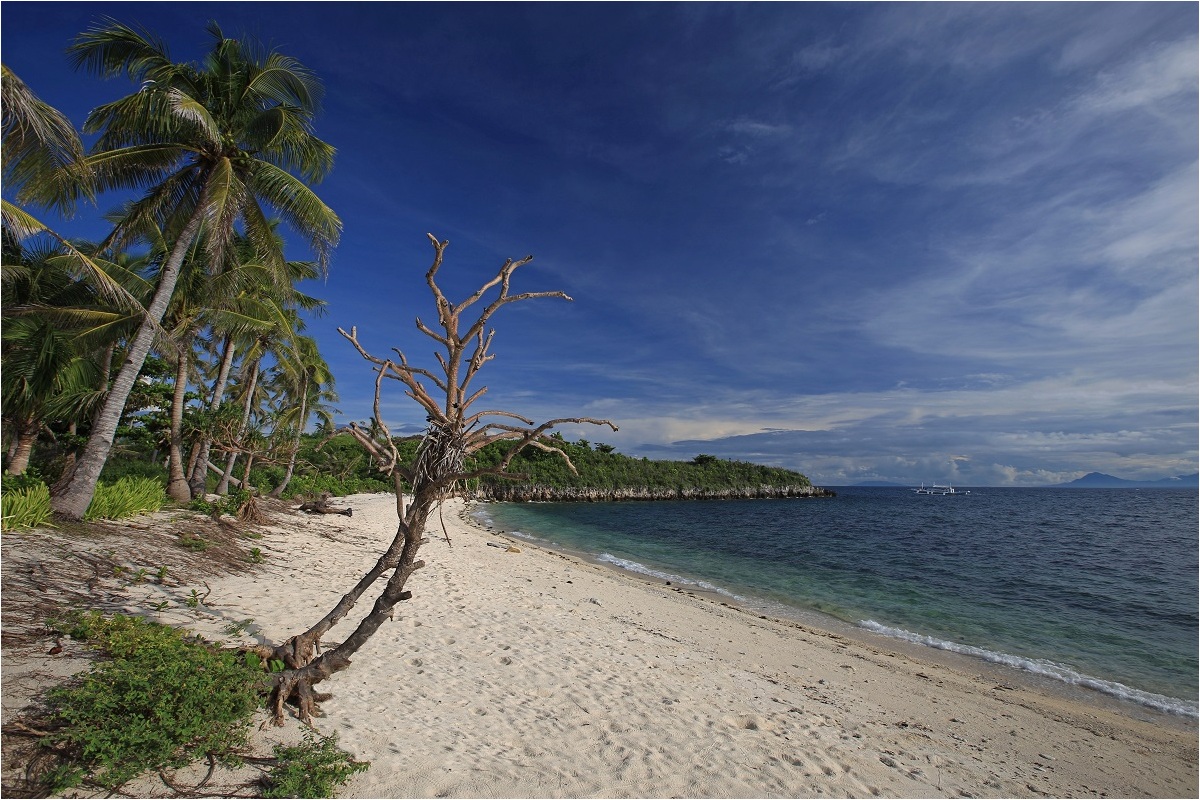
x=748 y=722
x=506 y=661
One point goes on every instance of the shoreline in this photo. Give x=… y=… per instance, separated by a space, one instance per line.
x=1056 y=679
x=805 y=619
x=535 y=673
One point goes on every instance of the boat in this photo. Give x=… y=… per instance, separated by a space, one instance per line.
x=936 y=489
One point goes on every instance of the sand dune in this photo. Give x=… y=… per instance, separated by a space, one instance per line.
x=534 y=674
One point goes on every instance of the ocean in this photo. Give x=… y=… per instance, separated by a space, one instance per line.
x=1093 y=587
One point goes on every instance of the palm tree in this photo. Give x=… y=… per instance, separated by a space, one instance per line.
x=257 y=310
x=57 y=337
x=306 y=384
x=48 y=370
x=210 y=143
x=45 y=166
x=42 y=154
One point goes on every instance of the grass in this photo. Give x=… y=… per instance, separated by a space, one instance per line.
x=125 y=498
x=25 y=507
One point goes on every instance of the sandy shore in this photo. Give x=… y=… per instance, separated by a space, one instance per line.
x=535 y=674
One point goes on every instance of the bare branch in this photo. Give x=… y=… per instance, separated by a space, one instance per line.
x=435 y=336
x=439 y=464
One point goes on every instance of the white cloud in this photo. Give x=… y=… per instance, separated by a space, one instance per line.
x=1148 y=78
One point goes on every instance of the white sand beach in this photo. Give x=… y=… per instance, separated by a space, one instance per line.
x=529 y=673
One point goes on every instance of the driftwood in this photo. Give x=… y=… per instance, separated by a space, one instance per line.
x=321 y=506
x=443 y=461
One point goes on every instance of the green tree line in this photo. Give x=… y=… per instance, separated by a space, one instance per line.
x=599 y=467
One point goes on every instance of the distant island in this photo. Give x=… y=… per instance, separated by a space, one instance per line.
x=1098 y=480
x=1093 y=480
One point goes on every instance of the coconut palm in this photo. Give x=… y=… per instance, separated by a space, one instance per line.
x=42 y=154
x=44 y=166
x=305 y=384
x=57 y=338
x=210 y=144
x=257 y=310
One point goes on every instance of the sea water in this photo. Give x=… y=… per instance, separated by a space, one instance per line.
x=1094 y=587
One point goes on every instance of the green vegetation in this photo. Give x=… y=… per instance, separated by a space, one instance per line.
x=312 y=769
x=180 y=337
x=25 y=506
x=602 y=468
x=125 y=498
x=26 y=503
x=163 y=700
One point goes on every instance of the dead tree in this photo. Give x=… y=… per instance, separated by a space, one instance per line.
x=454 y=433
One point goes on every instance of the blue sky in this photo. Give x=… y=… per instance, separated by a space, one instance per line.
x=906 y=242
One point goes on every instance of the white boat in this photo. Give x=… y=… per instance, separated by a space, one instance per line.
x=936 y=489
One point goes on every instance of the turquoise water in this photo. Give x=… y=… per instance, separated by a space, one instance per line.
x=1094 y=587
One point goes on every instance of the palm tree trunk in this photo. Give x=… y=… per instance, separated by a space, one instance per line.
x=246 y=472
x=68 y=463
x=247 y=404
x=77 y=495
x=177 y=486
x=199 y=477
x=27 y=433
x=291 y=467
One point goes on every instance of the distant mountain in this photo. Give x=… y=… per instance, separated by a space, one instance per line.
x=1098 y=480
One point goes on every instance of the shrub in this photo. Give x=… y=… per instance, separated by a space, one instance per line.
x=312 y=769
x=312 y=485
x=25 y=507
x=117 y=468
x=126 y=497
x=161 y=702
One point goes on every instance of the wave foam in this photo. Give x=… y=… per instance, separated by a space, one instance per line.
x=1171 y=705
x=642 y=569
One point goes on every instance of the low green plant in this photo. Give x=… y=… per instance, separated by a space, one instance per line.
x=234 y=500
x=126 y=497
x=312 y=769
x=193 y=541
x=237 y=628
x=256 y=555
x=161 y=701
x=25 y=506
x=193 y=600
x=201 y=505
x=161 y=575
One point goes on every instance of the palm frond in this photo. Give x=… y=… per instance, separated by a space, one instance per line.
x=140 y=166
x=286 y=81
x=42 y=154
x=110 y=48
x=299 y=206
x=193 y=112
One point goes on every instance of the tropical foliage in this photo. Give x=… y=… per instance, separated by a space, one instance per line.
x=178 y=339
x=601 y=467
